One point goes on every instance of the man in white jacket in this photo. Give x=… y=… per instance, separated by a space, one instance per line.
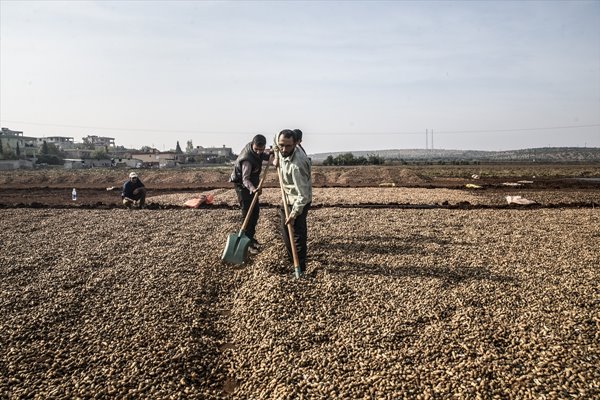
x=296 y=175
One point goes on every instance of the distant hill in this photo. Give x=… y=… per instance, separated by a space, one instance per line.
x=542 y=154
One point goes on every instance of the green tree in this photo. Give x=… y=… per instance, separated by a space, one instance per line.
x=99 y=154
x=178 y=149
x=52 y=150
x=328 y=160
x=50 y=159
x=360 y=161
x=345 y=159
x=50 y=154
x=376 y=160
x=8 y=153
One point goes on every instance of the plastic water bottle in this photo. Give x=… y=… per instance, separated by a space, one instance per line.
x=74 y=194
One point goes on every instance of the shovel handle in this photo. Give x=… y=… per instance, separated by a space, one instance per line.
x=290 y=228
x=254 y=200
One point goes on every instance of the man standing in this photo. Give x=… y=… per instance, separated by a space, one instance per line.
x=296 y=176
x=134 y=192
x=298 y=134
x=245 y=177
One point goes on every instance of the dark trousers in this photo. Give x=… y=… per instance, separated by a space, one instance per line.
x=245 y=199
x=300 y=235
x=139 y=194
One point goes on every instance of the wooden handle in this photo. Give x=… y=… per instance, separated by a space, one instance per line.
x=290 y=228
x=254 y=200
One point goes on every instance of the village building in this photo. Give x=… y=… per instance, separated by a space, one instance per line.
x=157 y=159
x=13 y=140
x=212 y=154
x=79 y=163
x=61 y=142
x=101 y=151
x=99 y=141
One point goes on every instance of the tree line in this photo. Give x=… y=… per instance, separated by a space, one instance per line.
x=349 y=159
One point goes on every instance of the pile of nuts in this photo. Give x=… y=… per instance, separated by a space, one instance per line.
x=395 y=303
x=395 y=195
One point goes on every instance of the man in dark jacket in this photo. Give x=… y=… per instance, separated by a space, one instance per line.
x=245 y=177
x=134 y=192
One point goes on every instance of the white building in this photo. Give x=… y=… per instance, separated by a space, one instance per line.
x=213 y=151
x=61 y=142
x=13 y=140
x=99 y=141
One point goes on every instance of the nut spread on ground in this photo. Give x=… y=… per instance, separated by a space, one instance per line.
x=397 y=304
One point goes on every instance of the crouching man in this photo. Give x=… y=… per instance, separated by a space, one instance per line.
x=134 y=192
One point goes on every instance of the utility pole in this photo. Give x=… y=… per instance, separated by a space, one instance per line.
x=426 y=139
x=432 y=139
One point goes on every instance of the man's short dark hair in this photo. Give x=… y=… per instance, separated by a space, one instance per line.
x=287 y=133
x=298 y=134
x=259 y=140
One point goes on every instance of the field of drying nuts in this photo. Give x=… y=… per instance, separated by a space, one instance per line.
x=397 y=303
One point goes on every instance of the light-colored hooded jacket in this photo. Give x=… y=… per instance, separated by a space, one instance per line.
x=296 y=176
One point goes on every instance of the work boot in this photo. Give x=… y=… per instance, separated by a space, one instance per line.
x=253 y=250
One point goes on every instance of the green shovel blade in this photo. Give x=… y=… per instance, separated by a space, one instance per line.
x=236 y=248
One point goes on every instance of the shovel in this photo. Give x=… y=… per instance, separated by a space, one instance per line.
x=290 y=228
x=237 y=245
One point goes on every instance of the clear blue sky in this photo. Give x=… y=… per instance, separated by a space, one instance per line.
x=355 y=75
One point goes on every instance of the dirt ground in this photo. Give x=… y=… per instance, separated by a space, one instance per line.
x=397 y=304
x=417 y=287
x=549 y=185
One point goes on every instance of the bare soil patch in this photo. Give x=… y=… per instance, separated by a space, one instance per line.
x=394 y=185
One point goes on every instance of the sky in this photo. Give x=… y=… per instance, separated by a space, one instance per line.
x=352 y=75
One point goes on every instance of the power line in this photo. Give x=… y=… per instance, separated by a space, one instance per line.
x=122 y=129
x=521 y=129
x=463 y=131
x=199 y=132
